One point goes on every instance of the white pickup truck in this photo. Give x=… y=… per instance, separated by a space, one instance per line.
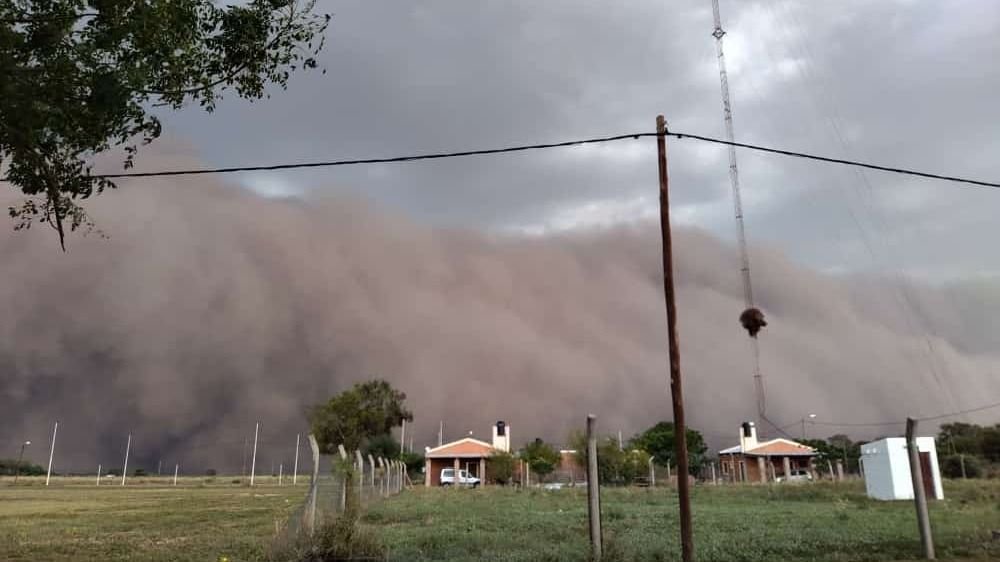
x=464 y=478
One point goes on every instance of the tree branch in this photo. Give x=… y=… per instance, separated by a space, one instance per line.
x=26 y=20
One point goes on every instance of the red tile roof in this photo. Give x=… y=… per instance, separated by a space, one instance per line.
x=467 y=447
x=776 y=447
x=781 y=447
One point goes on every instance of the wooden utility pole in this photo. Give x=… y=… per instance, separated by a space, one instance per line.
x=680 y=428
x=919 y=495
x=593 y=491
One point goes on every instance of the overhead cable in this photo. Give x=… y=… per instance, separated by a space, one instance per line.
x=541 y=146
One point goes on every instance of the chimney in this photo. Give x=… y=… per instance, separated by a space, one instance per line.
x=748 y=436
x=501 y=436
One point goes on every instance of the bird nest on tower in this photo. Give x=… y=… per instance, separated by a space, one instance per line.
x=752 y=320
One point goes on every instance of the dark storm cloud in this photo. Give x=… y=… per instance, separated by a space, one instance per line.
x=905 y=83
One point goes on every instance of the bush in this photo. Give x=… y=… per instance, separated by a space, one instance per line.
x=341 y=539
x=500 y=467
x=951 y=466
x=139 y=472
x=414 y=462
x=211 y=472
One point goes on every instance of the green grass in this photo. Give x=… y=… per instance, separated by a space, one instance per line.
x=201 y=520
x=814 y=522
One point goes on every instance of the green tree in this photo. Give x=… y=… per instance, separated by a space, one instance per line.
x=658 y=441
x=357 y=415
x=826 y=452
x=500 y=467
x=414 y=461
x=614 y=466
x=990 y=443
x=81 y=77
x=951 y=466
x=961 y=437
x=848 y=451
x=541 y=457
x=384 y=446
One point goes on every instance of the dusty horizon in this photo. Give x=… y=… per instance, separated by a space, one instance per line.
x=210 y=307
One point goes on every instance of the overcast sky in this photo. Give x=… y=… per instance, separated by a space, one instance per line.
x=905 y=83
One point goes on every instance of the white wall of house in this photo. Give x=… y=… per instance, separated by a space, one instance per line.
x=887 y=468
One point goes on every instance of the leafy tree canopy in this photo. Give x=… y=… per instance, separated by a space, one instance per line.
x=80 y=77
x=414 y=461
x=500 y=467
x=614 y=465
x=384 y=446
x=658 y=441
x=357 y=415
x=541 y=457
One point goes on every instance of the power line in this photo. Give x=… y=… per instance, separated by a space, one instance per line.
x=962 y=412
x=527 y=147
x=904 y=171
x=392 y=159
x=855 y=424
x=901 y=422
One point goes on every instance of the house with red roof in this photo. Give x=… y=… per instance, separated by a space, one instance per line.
x=467 y=454
x=765 y=461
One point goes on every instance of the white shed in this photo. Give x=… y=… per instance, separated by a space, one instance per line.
x=886 y=467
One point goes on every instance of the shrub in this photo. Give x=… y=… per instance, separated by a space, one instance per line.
x=500 y=467
x=951 y=466
x=414 y=462
x=340 y=539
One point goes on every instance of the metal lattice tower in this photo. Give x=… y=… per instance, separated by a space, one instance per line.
x=734 y=180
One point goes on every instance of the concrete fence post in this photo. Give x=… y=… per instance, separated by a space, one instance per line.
x=313 y=486
x=383 y=490
x=371 y=463
x=360 y=462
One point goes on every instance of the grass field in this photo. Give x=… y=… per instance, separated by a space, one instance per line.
x=199 y=521
x=149 y=520
x=814 y=522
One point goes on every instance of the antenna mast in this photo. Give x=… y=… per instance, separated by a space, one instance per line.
x=734 y=180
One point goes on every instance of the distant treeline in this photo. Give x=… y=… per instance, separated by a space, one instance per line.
x=8 y=467
x=969 y=450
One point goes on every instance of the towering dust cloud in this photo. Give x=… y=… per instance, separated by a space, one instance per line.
x=210 y=308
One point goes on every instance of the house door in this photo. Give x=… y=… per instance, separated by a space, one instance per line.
x=925 y=472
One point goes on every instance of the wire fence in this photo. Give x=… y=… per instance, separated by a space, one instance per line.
x=339 y=482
